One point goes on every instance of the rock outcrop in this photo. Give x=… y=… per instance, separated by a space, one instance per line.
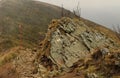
x=70 y=40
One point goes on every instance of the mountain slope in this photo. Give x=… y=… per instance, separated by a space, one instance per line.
x=32 y=16
x=70 y=44
x=71 y=48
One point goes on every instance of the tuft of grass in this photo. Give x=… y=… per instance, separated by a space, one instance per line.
x=9 y=56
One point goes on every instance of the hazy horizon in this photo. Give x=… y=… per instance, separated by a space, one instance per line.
x=104 y=12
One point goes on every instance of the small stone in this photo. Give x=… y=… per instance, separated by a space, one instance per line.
x=104 y=51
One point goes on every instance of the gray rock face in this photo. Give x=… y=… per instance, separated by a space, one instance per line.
x=72 y=40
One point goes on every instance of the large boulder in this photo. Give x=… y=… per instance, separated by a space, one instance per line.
x=69 y=40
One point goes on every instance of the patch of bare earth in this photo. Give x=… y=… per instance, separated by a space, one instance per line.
x=8 y=71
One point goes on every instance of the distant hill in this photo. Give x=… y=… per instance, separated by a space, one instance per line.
x=32 y=16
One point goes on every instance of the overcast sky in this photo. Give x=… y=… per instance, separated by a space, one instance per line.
x=104 y=12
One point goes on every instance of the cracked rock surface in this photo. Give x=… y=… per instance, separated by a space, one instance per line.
x=72 y=40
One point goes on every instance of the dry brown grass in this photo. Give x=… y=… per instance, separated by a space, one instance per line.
x=9 y=55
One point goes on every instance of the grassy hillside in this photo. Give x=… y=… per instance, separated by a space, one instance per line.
x=33 y=16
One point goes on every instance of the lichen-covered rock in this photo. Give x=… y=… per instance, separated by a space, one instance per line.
x=71 y=40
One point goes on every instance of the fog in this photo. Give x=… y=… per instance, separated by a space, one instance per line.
x=104 y=12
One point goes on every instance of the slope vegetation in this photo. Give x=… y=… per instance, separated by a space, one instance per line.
x=24 y=20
